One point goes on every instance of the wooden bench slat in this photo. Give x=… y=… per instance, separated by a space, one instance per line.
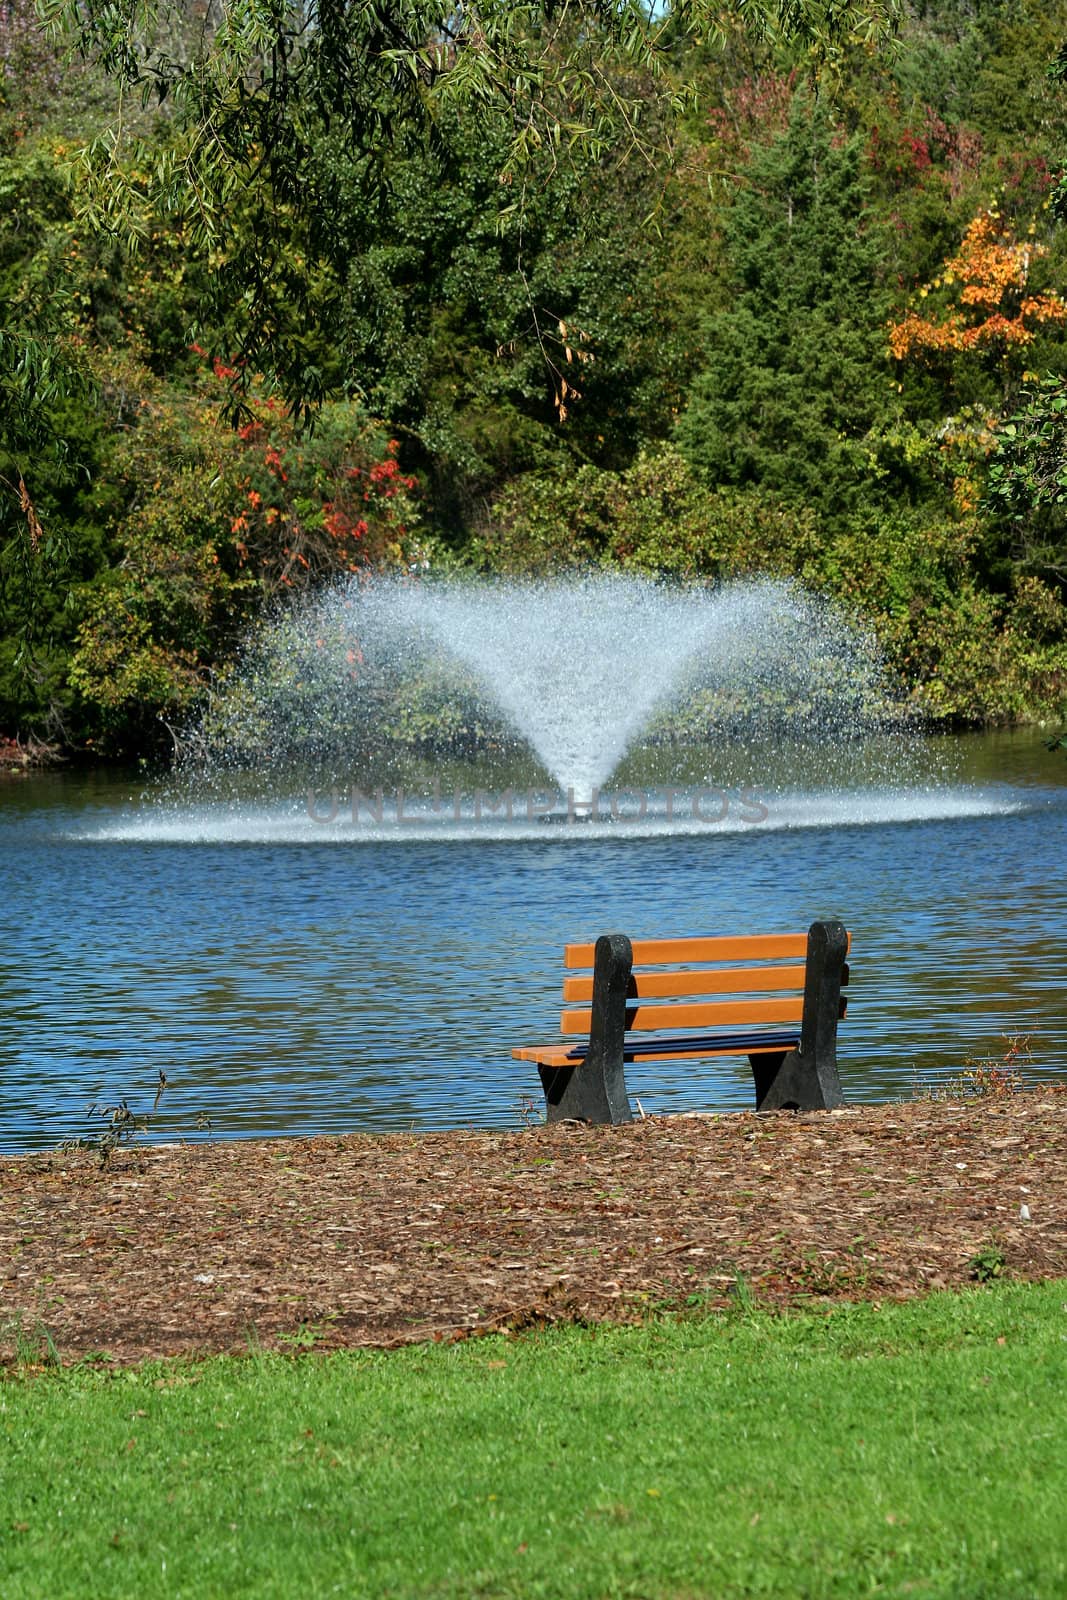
x=702 y=1015
x=662 y=985
x=653 y=952
x=748 y=947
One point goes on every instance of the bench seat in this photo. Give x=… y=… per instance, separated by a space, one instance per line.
x=682 y=1048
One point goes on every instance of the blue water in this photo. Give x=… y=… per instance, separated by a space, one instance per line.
x=340 y=983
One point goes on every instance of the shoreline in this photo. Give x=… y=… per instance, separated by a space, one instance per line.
x=17 y=758
x=378 y=1240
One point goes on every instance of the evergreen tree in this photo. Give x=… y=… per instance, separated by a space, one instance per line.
x=794 y=374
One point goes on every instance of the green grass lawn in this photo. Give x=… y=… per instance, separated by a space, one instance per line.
x=913 y=1450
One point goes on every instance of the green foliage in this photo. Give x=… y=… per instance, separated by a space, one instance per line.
x=218 y=523
x=653 y=337
x=267 y=110
x=1027 y=479
x=656 y=516
x=479 y=335
x=792 y=378
x=971 y=656
x=41 y=369
x=987 y=1263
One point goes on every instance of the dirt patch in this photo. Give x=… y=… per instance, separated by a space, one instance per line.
x=384 y=1240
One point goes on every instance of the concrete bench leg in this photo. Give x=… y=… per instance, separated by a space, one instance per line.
x=798 y=1084
x=807 y=1079
x=594 y=1090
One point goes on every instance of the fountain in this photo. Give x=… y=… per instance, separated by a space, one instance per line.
x=575 y=668
x=396 y=708
x=581 y=668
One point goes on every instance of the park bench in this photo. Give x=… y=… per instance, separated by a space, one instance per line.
x=646 y=1001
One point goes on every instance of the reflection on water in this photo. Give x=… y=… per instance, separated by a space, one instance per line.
x=286 y=985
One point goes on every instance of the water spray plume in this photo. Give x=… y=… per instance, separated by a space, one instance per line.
x=576 y=671
x=392 y=709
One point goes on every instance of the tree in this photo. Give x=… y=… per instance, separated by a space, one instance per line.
x=991 y=305
x=216 y=523
x=48 y=437
x=790 y=384
x=266 y=99
x=970 y=332
x=1027 y=477
x=1028 y=471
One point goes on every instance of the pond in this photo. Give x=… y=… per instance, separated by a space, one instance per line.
x=293 y=973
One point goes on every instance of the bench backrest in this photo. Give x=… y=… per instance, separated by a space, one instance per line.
x=686 y=968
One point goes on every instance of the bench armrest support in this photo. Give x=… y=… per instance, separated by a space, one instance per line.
x=595 y=1091
x=807 y=1079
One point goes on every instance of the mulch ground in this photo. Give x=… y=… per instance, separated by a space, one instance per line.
x=380 y=1241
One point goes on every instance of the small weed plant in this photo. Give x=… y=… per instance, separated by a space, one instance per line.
x=984 y=1078
x=529 y=1113
x=987 y=1263
x=31 y=1344
x=111 y=1127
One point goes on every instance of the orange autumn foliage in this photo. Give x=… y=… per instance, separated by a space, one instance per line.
x=992 y=270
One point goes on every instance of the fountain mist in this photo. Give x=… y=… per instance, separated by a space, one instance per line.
x=575 y=671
